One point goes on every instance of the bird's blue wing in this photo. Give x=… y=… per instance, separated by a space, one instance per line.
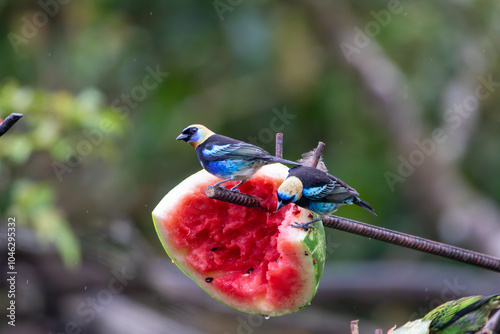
x=249 y=150
x=219 y=150
x=332 y=191
x=319 y=192
x=235 y=150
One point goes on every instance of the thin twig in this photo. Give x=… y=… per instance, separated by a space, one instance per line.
x=317 y=154
x=354 y=327
x=413 y=242
x=9 y=122
x=279 y=145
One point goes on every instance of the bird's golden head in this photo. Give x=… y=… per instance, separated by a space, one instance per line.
x=195 y=134
x=290 y=191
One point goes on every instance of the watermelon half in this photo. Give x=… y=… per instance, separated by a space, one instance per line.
x=251 y=260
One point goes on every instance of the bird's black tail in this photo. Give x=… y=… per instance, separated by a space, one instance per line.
x=358 y=201
x=284 y=161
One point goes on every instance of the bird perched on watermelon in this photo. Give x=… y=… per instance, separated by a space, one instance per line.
x=249 y=259
x=227 y=158
x=318 y=191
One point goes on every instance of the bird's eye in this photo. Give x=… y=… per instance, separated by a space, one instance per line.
x=193 y=130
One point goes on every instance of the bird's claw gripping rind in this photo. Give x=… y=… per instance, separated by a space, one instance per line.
x=305 y=226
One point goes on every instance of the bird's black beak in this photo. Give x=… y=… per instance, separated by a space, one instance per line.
x=182 y=136
x=280 y=205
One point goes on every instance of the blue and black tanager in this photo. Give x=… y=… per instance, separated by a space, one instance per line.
x=318 y=191
x=227 y=158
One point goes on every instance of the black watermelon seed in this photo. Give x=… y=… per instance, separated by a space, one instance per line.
x=214 y=249
x=209 y=279
x=249 y=270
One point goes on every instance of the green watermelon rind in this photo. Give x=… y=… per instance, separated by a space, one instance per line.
x=312 y=243
x=317 y=251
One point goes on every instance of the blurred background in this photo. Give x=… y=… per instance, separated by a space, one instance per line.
x=404 y=94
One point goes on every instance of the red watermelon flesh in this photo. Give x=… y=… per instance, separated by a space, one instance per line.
x=248 y=259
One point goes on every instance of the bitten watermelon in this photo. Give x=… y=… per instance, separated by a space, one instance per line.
x=251 y=260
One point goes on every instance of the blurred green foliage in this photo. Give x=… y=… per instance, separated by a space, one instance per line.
x=229 y=72
x=56 y=126
x=83 y=158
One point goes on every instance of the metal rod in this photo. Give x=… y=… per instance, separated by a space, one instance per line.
x=9 y=122
x=366 y=230
x=235 y=197
x=413 y=242
x=279 y=145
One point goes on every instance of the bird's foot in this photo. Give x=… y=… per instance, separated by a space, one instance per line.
x=305 y=226
x=219 y=184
